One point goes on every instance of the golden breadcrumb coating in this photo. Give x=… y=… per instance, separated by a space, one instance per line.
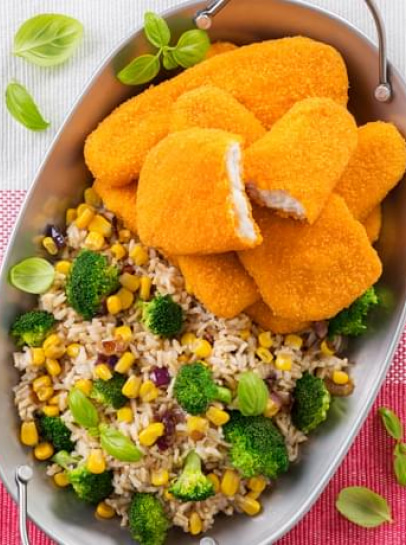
x=311 y=272
x=373 y=224
x=301 y=158
x=212 y=108
x=378 y=164
x=218 y=48
x=185 y=201
x=267 y=78
x=261 y=314
x=121 y=201
x=219 y=282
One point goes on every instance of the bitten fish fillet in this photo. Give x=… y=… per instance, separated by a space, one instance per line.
x=295 y=167
x=190 y=197
x=373 y=224
x=261 y=314
x=121 y=201
x=212 y=108
x=311 y=272
x=378 y=164
x=267 y=78
x=220 y=282
x=218 y=48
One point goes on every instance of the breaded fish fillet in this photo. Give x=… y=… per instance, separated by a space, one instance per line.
x=295 y=167
x=267 y=78
x=121 y=201
x=311 y=272
x=377 y=165
x=220 y=282
x=212 y=108
x=261 y=314
x=190 y=197
x=373 y=224
x=218 y=48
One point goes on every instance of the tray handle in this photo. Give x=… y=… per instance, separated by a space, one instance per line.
x=23 y=476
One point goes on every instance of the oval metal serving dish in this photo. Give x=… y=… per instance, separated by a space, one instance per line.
x=60 y=183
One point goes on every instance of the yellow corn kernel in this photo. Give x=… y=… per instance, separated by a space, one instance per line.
x=245 y=334
x=100 y=225
x=340 y=377
x=85 y=385
x=151 y=434
x=188 y=339
x=145 y=288
x=130 y=282
x=160 y=477
x=29 y=434
x=49 y=244
x=126 y=297
x=326 y=349
x=82 y=207
x=45 y=393
x=294 y=341
x=197 y=427
x=51 y=410
x=139 y=255
x=271 y=408
x=283 y=362
x=202 y=348
x=54 y=400
x=105 y=511
x=92 y=198
x=125 y=414
x=118 y=251
x=41 y=382
x=148 y=391
x=264 y=354
x=73 y=350
x=84 y=218
x=95 y=462
x=52 y=340
x=103 y=372
x=53 y=367
x=217 y=416
x=131 y=388
x=250 y=506
x=168 y=496
x=257 y=484
x=125 y=363
x=63 y=267
x=265 y=339
x=195 y=524
x=43 y=451
x=37 y=356
x=124 y=333
x=215 y=481
x=253 y=495
x=71 y=215
x=53 y=347
x=124 y=235
x=114 y=304
x=94 y=241
x=230 y=483
x=61 y=480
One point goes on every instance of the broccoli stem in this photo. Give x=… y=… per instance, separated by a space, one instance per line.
x=224 y=395
x=193 y=463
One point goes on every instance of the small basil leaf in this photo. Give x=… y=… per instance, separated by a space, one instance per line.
x=156 y=29
x=47 y=39
x=401 y=447
x=191 y=48
x=363 y=507
x=140 y=70
x=392 y=423
x=168 y=61
x=252 y=394
x=83 y=411
x=118 y=445
x=399 y=466
x=22 y=107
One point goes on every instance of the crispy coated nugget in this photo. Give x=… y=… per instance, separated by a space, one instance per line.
x=373 y=224
x=191 y=198
x=267 y=78
x=212 y=108
x=121 y=201
x=296 y=165
x=377 y=165
x=311 y=272
x=261 y=314
x=220 y=282
x=219 y=48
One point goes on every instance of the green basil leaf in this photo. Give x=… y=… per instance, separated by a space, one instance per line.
x=399 y=466
x=47 y=39
x=401 y=448
x=191 y=48
x=392 y=423
x=118 y=445
x=363 y=507
x=252 y=394
x=140 y=70
x=168 y=61
x=156 y=29
x=83 y=411
x=22 y=107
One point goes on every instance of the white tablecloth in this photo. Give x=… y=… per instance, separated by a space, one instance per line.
x=106 y=22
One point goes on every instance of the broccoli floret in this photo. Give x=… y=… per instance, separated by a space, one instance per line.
x=352 y=321
x=257 y=446
x=32 y=327
x=90 y=487
x=192 y=485
x=108 y=392
x=162 y=316
x=311 y=403
x=195 y=389
x=54 y=430
x=90 y=281
x=148 y=522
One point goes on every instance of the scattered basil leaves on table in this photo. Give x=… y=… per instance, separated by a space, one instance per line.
x=394 y=428
x=392 y=423
x=363 y=507
x=118 y=445
x=253 y=394
x=22 y=107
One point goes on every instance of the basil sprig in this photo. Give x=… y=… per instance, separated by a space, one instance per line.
x=83 y=411
x=118 y=445
x=252 y=394
x=394 y=428
x=363 y=507
x=190 y=49
x=22 y=107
